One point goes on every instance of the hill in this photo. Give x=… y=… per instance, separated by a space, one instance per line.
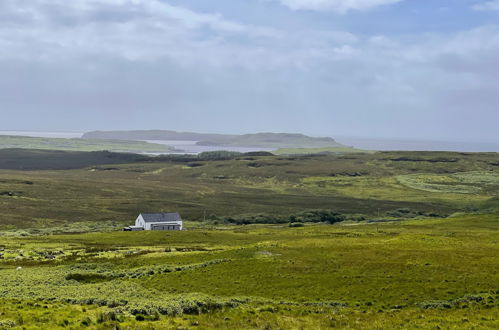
x=25 y=142
x=29 y=159
x=359 y=240
x=407 y=275
x=271 y=140
x=263 y=140
x=239 y=188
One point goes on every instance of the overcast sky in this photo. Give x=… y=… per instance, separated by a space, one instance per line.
x=381 y=68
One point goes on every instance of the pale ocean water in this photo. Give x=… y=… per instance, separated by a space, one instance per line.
x=418 y=145
x=190 y=147
x=64 y=135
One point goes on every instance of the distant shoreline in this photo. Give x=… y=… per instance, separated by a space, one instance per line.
x=365 y=143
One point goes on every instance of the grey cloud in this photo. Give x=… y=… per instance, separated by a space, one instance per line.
x=128 y=64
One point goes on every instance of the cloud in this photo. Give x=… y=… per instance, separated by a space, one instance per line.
x=149 y=30
x=144 y=64
x=340 y=6
x=489 y=5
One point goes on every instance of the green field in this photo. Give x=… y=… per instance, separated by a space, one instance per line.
x=416 y=244
x=25 y=142
x=420 y=273
x=377 y=185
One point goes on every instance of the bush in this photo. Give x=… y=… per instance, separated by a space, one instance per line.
x=302 y=217
x=219 y=155
x=7 y=324
x=106 y=317
x=407 y=213
x=86 y=322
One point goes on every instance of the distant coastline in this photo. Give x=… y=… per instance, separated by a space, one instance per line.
x=365 y=143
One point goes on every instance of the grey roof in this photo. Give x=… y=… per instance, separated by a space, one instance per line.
x=161 y=217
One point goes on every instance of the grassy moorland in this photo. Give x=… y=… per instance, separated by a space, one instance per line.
x=381 y=240
x=31 y=159
x=310 y=151
x=381 y=185
x=412 y=274
x=25 y=142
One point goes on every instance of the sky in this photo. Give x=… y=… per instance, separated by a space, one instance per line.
x=422 y=69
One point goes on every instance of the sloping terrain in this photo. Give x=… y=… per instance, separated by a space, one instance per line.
x=418 y=248
x=104 y=186
x=413 y=274
x=30 y=159
x=263 y=140
x=26 y=142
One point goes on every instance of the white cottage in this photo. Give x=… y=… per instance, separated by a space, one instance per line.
x=157 y=221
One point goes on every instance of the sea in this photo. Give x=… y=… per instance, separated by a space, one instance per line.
x=190 y=147
x=365 y=143
x=386 y=144
x=64 y=135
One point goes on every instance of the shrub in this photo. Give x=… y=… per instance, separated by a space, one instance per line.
x=219 y=155
x=326 y=216
x=86 y=322
x=7 y=324
x=106 y=317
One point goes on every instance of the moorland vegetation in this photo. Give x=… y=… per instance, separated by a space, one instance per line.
x=39 y=143
x=108 y=187
x=411 y=274
x=362 y=240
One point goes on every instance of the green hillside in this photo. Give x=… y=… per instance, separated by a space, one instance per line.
x=7 y=142
x=272 y=140
x=240 y=188
x=407 y=275
x=261 y=140
x=385 y=240
x=37 y=159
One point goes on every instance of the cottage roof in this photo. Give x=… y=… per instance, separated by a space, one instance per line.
x=161 y=217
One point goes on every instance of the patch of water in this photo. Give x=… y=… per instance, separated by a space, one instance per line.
x=190 y=147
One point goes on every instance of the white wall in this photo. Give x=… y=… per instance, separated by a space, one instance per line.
x=140 y=222
x=147 y=225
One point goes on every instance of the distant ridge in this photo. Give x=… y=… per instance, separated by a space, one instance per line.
x=263 y=140
x=77 y=144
